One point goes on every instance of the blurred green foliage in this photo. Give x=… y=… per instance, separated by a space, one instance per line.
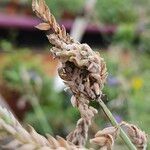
x=6 y=46
x=108 y=11
x=72 y=7
x=125 y=34
x=145 y=41
x=14 y=62
x=116 y=11
x=129 y=98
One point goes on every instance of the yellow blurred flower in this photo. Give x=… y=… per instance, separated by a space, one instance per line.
x=137 y=83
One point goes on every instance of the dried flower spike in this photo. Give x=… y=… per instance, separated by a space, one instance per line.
x=83 y=70
x=138 y=137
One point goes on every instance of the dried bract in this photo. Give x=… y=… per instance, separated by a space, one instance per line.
x=138 y=137
x=105 y=138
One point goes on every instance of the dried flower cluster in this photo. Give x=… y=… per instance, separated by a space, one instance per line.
x=138 y=137
x=105 y=138
x=19 y=138
x=14 y=136
x=83 y=70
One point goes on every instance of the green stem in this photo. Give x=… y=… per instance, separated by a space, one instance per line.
x=41 y=116
x=123 y=135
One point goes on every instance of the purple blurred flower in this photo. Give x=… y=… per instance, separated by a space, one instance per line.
x=112 y=81
x=118 y=118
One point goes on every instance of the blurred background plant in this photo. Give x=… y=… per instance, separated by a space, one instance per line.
x=116 y=12
x=27 y=74
x=37 y=100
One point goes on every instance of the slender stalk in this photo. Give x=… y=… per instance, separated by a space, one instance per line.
x=41 y=116
x=123 y=135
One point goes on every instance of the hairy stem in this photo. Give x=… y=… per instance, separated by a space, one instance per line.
x=123 y=135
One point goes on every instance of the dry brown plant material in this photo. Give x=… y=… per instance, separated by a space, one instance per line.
x=105 y=138
x=83 y=70
x=138 y=137
x=21 y=139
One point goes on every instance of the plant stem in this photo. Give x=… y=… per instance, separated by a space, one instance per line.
x=41 y=116
x=123 y=135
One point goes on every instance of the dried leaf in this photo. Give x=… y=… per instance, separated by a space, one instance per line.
x=43 y=26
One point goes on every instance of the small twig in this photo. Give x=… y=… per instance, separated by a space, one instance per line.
x=123 y=135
